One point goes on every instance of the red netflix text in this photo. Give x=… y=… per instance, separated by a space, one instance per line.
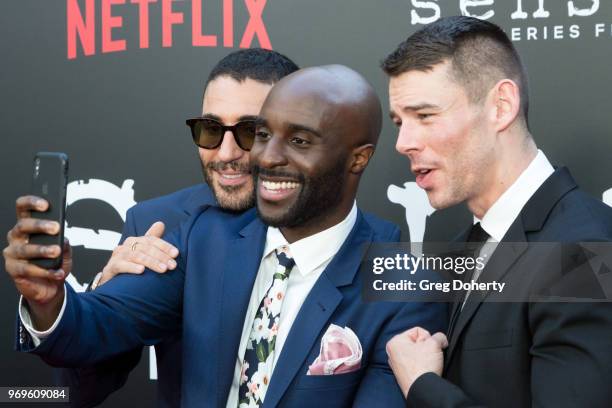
x=82 y=20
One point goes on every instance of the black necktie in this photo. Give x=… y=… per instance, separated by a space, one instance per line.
x=479 y=237
x=477 y=234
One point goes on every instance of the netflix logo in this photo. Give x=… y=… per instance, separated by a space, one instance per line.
x=82 y=20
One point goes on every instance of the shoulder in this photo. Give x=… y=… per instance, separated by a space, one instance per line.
x=383 y=230
x=580 y=217
x=231 y=220
x=216 y=224
x=177 y=200
x=171 y=209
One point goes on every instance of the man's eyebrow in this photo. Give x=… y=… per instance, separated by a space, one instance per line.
x=294 y=127
x=218 y=118
x=212 y=116
x=248 y=117
x=420 y=106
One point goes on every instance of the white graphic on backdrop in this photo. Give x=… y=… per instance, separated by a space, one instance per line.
x=607 y=197
x=414 y=200
x=572 y=10
x=430 y=11
x=528 y=23
x=465 y=4
x=120 y=198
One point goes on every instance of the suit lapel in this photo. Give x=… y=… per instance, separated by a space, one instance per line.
x=239 y=276
x=322 y=301
x=314 y=315
x=531 y=219
x=504 y=256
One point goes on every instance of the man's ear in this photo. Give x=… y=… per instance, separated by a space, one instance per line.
x=361 y=157
x=506 y=97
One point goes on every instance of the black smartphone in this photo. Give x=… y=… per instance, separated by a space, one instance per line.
x=49 y=182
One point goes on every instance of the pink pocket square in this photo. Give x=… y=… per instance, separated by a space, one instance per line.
x=340 y=352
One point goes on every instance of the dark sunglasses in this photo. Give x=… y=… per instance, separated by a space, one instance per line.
x=208 y=133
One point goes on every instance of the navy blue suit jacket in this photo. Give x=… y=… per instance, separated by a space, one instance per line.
x=206 y=299
x=89 y=386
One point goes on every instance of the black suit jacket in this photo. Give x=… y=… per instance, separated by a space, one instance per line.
x=522 y=354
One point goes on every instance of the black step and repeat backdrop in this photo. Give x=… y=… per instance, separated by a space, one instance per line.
x=110 y=83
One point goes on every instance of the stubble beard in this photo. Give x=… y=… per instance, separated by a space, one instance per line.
x=230 y=198
x=317 y=196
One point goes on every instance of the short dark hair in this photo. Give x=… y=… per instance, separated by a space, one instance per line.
x=480 y=54
x=259 y=64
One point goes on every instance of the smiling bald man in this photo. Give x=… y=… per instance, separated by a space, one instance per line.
x=260 y=300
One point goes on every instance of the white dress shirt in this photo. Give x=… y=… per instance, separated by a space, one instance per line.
x=312 y=255
x=26 y=320
x=498 y=219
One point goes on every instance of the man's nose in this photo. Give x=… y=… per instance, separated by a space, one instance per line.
x=273 y=153
x=409 y=140
x=229 y=150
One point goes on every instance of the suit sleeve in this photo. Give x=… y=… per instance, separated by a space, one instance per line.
x=571 y=348
x=571 y=354
x=379 y=387
x=124 y=314
x=430 y=390
x=90 y=386
x=127 y=313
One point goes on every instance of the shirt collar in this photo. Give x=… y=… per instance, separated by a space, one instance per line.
x=312 y=251
x=498 y=219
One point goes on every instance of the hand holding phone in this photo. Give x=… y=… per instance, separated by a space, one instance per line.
x=42 y=287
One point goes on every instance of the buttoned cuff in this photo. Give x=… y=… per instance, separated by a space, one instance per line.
x=26 y=321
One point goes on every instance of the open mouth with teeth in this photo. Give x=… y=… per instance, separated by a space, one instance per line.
x=232 y=178
x=276 y=190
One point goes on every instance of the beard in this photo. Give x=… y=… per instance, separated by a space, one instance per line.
x=318 y=194
x=230 y=198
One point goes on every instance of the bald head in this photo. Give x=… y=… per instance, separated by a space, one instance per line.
x=340 y=95
x=317 y=132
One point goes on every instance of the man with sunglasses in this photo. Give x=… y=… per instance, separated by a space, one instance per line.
x=234 y=92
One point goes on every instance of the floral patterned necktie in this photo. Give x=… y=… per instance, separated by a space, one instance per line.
x=259 y=354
